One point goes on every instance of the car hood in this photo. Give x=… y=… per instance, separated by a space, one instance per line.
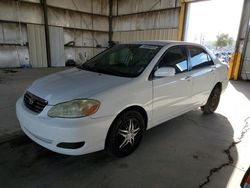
x=74 y=84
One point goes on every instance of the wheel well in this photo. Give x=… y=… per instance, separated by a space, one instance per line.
x=218 y=84
x=139 y=109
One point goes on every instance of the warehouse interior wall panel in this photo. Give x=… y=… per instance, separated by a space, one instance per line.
x=32 y=1
x=97 y=51
x=30 y=13
x=13 y=33
x=83 y=38
x=87 y=38
x=100 y=23
x=66 y=18
x=245 y=73
x=101 y=7
x=83 y=54
x=153 y=34
x=58 y=17
x=136 y=6
x=13 y=56
x=151 y=20
x=145 y=20
x=1 y=33
x=68 y=35
x=37 y=45
x=56 y=46
x=20 y=12
x=77 y=5
x=100 y=39
x=244 y=39
x=84 y=22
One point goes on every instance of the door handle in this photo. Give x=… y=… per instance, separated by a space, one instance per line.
x=187 y=78
x=212 y=70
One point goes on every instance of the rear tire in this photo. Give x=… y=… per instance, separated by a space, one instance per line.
x=126 y=133
x=213 y=101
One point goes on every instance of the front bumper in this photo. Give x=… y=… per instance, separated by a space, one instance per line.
x=49 y=132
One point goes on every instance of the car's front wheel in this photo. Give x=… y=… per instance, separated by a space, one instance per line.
x=126 y=133
x=213 y=101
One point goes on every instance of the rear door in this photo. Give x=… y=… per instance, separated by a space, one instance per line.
x=171 y=95
x=202 y=73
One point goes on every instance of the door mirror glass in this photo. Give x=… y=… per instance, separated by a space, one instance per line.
x=165 y=72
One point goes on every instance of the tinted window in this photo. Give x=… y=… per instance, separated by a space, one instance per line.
x=199 y=58
x=127 y=60
x=175 y=57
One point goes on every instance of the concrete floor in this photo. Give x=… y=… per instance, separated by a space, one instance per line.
x=13 y=83
x=178 y=153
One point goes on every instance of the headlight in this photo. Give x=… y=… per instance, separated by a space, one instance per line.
x=74 y=109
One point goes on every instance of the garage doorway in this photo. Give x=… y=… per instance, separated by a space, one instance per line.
x=207 y=20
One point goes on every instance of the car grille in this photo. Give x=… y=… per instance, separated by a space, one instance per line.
x=34 y=103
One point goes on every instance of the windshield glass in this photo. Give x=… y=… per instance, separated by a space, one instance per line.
x=127 y=60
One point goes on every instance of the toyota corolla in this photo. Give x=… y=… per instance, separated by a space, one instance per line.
x=112 y=99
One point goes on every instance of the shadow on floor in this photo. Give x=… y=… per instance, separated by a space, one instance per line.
x=178 y=153
x=243 y=87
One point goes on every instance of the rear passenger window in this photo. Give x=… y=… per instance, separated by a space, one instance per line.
x=199 y=58
x=175 y=57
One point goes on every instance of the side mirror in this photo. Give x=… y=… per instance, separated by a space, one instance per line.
x=165 y=72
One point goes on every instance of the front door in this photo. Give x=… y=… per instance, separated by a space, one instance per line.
x=171 y=95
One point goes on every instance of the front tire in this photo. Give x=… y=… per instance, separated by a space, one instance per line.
x=126 y=133
x=213 y=101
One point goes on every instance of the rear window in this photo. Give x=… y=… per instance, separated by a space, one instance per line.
x=199 y=58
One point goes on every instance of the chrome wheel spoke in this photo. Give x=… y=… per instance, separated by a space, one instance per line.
x=135 y=132
x=129 y=134
x=131 y=125
x=132 y=140
x=123 y=133
x=124 y=143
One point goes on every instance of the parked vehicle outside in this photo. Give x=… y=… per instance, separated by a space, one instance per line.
x=112 y=99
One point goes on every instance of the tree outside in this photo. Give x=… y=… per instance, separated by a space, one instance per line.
x=223 y=40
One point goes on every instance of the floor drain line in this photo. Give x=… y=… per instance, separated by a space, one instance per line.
x=228 y=153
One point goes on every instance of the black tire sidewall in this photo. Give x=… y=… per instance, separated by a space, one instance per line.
x=216 y=91
x=112 y=142
x=208 y=108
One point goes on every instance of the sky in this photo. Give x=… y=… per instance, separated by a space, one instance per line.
x=210 y=18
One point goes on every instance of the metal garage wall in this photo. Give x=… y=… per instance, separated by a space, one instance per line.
x=13 y=48
x=37 y=45
x=56 y=46
x=145 y=20
x=84 y=22
x=87 y=21
x=244 y=37
x=245 y=72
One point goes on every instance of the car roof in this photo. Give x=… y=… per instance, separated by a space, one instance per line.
x=165 y=43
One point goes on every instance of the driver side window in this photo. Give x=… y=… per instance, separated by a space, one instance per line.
x=175 y=57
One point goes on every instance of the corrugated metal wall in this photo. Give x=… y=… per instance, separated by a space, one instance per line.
x=37 y=45
x=145 y=20
x=57 y=46
x=245 y=42
x=84 y=22
x=245 y=72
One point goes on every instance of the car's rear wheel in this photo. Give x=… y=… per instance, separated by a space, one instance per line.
x=213 y=101
x=126 y=133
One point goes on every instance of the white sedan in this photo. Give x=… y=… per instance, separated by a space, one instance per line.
x=112 y=99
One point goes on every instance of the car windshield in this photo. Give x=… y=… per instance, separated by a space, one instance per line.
x=126 y=60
